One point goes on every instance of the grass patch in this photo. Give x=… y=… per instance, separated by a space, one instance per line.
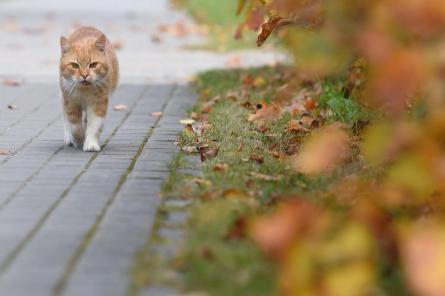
x=219 y=258
x=343 y=109
x=212 y=261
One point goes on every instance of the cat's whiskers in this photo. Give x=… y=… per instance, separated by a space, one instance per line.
x=69 y=85
x=99 y=82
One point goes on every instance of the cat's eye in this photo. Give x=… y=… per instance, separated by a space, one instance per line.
x=93 y=65
x=75 y=65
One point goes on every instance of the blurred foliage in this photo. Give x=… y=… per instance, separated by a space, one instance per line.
x=220 y=21
x=366 y=229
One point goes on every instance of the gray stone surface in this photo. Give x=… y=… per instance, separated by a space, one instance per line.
x=71 y=222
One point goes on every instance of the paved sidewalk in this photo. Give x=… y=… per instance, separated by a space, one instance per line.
x=71 y=222
x=30 y=31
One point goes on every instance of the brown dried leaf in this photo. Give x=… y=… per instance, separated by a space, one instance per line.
x=266 y=112
x=257 y=158
x=238 y=229
x=207 y=153
x=267 y=29
x=296 y=126
x=220 y=167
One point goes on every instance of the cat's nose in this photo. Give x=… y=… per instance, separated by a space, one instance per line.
x=84 y=76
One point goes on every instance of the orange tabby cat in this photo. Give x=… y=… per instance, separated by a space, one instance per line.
x=89 y=73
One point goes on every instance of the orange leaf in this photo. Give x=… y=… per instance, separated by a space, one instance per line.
x=322 y=151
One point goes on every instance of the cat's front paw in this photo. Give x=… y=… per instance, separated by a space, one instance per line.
x=67 y=140
x=91 y=146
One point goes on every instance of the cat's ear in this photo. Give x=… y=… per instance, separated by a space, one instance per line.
x=100 y=42
x=64 y=44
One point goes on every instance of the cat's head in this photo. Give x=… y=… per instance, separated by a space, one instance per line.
x=83 y=63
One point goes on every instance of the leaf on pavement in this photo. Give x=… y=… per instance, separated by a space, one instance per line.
x=4 y=151
x=117 y=44
x=156 y=114
x=120 y=107
x=12 y=82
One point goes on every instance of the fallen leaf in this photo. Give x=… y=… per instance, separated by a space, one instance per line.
x=200 y=127
x=4 y=151
x=265 y=177
x=207 y=254
x=248 y=80
x=189 y=149
x=118 y=44
x=238 y=229
x=234 y=61
x=201 y=182
x=278 y=155
x=307 y=120
x=310 y=104
x=156 y=114
x=423 y=257
x=220 y=167
x=120 y=107
x=259 y=81
x=207 y=153
x=236 y=193
x=322 y=151
x=296 y=126
x=187 y=121
x=12 y=106
x=267 y=29
x=12 y=82
x=275 y=232
x=266 y=112
x=256 y=158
